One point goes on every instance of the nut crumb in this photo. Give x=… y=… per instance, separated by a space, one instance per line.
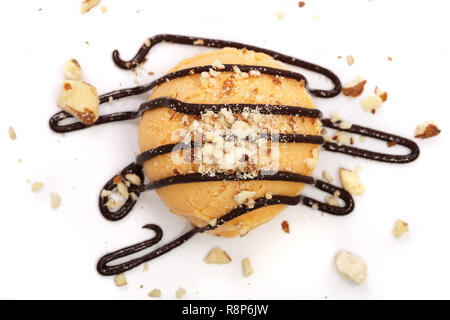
x=280 y=15
x=155 y=293
x=351 y=267
x=301 y=4
x=268 y=196
x=37 y=186
x=351 y=182
x=133 y=178
x=350 y=60
x=217 y=256
x=285 y=226
x=199 y=42
x=12 y=133
x=371 y=103
x=335 y=116
x=104 y=9
x=180 y=293
x=72 y=70
x=327 y=176
x=355 y=87
x=87 y=5
x=55 y=200
x=383 y=95
x=247 y=267
x=400 y=228
x=218 y=65
x=145 y=267
x=315 y=206
x=427 y=130
x=120 y=280
x=345 y=125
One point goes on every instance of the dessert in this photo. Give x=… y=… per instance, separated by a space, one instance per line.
x=237 y=96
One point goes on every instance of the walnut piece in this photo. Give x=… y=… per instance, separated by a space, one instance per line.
x=72 y=70
x=400 y=228
x=247 y=267
x=427 y=130
x=120 y=280
x=351 y=267
x=87 y=5
x=217 y=256
x=80 y=99
x=351 y=182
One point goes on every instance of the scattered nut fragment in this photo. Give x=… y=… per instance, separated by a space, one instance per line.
x=37 y=186
x=218 y=65
x=247 y=267
x=123 y=190
x=400 y=228
x=80 y=99
x=199 y=42
x=133 y=178
x=335 y=116
x=351 y=182
x=145 y=267
x=350 y=60
x=327 y=176
x=355 y=87
x=55 y=200
x=332 y=201
x=345 y=125
x=351 y=267
x=427 y=130
x=87 y=5
x=105 y=193
x=285 y=226
x=120 y=280
x=280 y=15
x=371 y=103
x=104 y=9
x=245 y=197
x=383 y=95
x=12 y=133
x=301 y=4
x=315 y=206
x=217 y=256
x=212 y=222
x=155 y=293
x=180 y=293
x=72 y=70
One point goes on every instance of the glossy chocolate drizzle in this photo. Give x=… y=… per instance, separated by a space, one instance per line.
x=197 y=109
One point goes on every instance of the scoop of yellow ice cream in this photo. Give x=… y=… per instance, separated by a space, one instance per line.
x=202 y=202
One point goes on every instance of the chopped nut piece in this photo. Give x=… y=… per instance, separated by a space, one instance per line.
x=392 y=143
x=351 y=267
x=285 y=226
x=133 y=178
x=180 y=293
x=427 y=130
x=218 y=65
x=383 y=95
x=311 y=163
x=345 y=125
x=212 y=222
x=87 y=5
x=72 y=70
x=148 y=43
x=400 y=228
x=280 y=15
x=336 y=116
x=332 y=201
x=245 y=197
x=37 y=186
x=145 y=268
x=255 y=73
x=268 y=196
x=105 y=193
x=315 y=206
x=133 y=196
x=217 y=256
x=120 y=280
x=155 y=293
x=55 y=200
x=247 y=267
x=327 y=176
x=350 y=181
x=350 y=60
x=354 y=88
x=199 y=42
x=371 y=103
x=80 y=99
x=104 y=9
x=12 y=133
x=301 y=4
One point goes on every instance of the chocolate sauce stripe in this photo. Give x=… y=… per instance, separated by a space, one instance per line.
x=104 y=269
x=372 y=155
x=181 y=107
x=215 y=43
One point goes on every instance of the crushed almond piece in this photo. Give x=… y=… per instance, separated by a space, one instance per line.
x=133 y=196
x=218 y=65
x=80 y=99
x=120 y=280
x=371 y=103
x=354 y=88
x=362 y=138
x=87 y=5
x=332 y=201
x=301 y=4
x=244 y=196
x=118 y=179
x=37 y=186
x=123 y=190
x=12 y=133
x=268 y=196
x=389 y=58
x=351 y=182
x=247 y=267
x=217 y=256
x=351 y=267
x=345 y=125
x=315 y=206
x=104 y=9
x=72 y=70
x=400 y=228
x=427 y=130
x=350 y=60
x=335 y=116
x=55 y=200
x=327 y=176
x=285 y=226
x=199 y=42
x=148 y=43
x=392 y=143
x=133 y=178
x=383 y=95
x=255 y=73
x=311 y=163
x=212 y=222
x=180 y=293
x=155 y=293
x=145 y=267
x=280 y=15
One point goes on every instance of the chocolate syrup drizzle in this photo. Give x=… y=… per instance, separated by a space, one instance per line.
x=197 y=109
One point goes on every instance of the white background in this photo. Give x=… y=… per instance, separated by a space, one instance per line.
x=52 y=254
